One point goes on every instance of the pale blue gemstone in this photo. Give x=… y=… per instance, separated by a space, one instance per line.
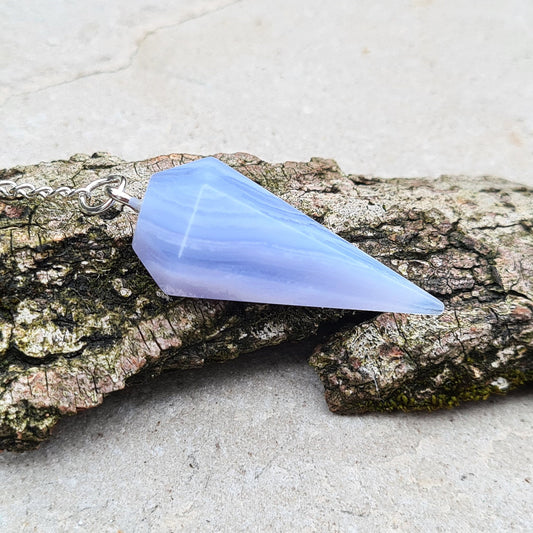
x=207 y=231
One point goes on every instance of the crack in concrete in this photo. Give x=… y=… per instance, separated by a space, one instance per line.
x=138 y=45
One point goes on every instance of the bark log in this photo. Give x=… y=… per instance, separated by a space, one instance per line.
x=81 y=318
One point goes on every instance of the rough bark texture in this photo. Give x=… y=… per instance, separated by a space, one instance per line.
x=81 y=318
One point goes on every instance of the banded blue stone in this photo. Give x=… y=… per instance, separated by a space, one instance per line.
x=206 y=231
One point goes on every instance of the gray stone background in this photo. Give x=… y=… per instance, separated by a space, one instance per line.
x=391 y=88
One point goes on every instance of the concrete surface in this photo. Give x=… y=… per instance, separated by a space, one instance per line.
x=387 y=87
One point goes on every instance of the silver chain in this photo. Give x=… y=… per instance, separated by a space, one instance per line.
x=113 y=186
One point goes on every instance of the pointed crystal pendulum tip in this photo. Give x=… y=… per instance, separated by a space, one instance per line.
x=206 y=231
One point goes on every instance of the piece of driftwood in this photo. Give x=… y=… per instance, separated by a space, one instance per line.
x=81 y=318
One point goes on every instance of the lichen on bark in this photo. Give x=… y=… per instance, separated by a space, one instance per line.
x=81 y=318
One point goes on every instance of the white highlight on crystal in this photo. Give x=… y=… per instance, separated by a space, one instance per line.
x=191 y=221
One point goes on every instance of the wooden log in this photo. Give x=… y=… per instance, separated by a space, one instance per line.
x=81 y=318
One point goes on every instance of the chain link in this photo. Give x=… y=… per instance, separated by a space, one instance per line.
x=113 y=186
x=11 y=190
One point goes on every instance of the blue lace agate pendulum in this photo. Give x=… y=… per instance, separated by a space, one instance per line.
x=206 y=231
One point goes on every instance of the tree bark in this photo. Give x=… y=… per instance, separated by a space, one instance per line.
x=80 y=317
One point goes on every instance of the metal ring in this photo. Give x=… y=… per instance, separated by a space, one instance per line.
x=7 y=189
x=85 y=194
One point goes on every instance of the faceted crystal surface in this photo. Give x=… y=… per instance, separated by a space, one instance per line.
x=207 y=231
